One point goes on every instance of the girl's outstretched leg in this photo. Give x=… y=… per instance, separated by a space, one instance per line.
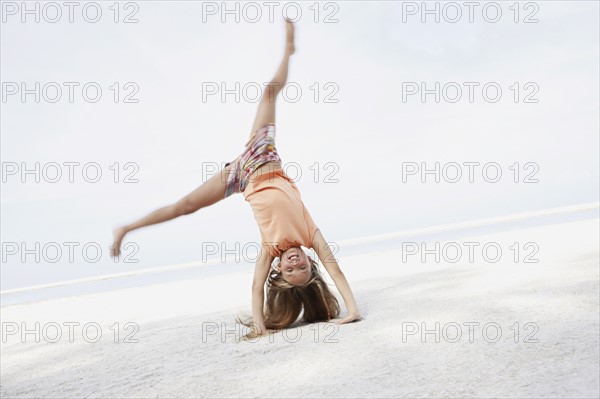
x=210 y=192
x=266 y=106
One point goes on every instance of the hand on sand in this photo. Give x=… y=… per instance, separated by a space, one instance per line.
x=254 y=333
x=349 y=319
x=290 y=47
x=118 y=234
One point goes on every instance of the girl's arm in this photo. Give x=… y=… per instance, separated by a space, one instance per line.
x=327 y=259
x=261 y=271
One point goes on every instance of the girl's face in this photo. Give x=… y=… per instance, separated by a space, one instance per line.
x=294 y=266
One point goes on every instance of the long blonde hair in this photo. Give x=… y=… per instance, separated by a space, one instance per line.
x=285 y=301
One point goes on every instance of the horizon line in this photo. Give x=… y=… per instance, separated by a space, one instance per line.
x=348 y=242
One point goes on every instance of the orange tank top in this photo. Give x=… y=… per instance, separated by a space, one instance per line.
x=282 y=218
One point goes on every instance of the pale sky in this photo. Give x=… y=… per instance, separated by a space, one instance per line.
x=367 y=57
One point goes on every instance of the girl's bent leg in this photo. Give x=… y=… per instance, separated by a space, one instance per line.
x=210 y=192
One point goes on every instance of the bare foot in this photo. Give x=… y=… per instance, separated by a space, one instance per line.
x=118 y=234
x=290 y=47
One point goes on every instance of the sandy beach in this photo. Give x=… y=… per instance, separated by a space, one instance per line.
x=487 y=326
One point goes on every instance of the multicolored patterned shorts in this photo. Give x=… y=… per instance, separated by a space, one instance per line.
x=260 y=149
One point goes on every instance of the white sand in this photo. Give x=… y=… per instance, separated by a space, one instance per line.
x=372 y=358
